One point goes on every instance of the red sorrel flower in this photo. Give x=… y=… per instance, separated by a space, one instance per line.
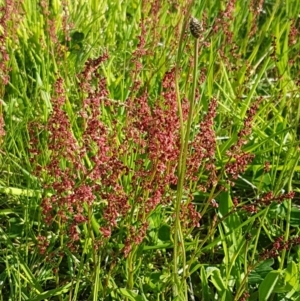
x=279 y=245
x=2 y=124
x=202 y=149
x=189 y=216
x=72 y=183
x=267 y=199
x=8 y=13
x=256 y=7
x=245 y=296
x=239 y=160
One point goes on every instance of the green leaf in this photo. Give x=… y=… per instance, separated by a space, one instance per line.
x=77 y=36
x=295 y=217
x=292 y=275
x=217 y=280
x=130 y=295
x=155 y=219
x=204 y=285
x=260 y=272
x=154 y=282
x=55 y=292
x=267 y=286
x=288 y=283
x=195 y=268
x=225 y=207
x=164 y=233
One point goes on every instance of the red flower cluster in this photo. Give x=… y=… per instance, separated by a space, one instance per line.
x=239 y=160
x=2 y=129
x=6 y=13
x=267 y=199
x=223 y=20
x=155 y=133
x=43 y=244
x=256 y=7
x=245 y=296
x=70 y=180
x=135 y=237
x=293 y=34
x=64 y=159
x=202 y=149
x=278 y=245
x=189 y=216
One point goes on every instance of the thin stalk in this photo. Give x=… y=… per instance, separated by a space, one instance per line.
x=81 y=267
x=132 y=254
x=287 y=232
x=177 y=72
x=288 y=213
x=244 y=281
x=178 y=237
x=97 y=283
x=258 y=234
x=131 y=260
x=95 y=256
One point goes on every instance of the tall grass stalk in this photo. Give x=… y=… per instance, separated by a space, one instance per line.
x=178 y=237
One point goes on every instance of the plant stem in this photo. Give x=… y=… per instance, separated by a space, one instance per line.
x=289 y=210
x=178 y=237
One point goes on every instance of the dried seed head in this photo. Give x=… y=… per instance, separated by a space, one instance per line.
x=195 y=27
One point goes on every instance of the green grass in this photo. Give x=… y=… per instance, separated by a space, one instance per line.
x=166 y=169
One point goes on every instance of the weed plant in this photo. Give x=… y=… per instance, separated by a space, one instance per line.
x=149 y=150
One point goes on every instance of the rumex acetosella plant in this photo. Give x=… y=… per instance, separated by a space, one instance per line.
x=159 y=160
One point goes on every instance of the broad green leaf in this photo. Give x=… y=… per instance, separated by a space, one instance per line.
x=267 y=286
x=292 y=275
